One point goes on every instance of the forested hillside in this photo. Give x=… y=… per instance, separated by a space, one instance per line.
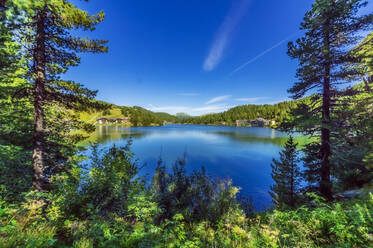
x=167 y=117
x=143 y=117
x=277 y=112
x=138 y=116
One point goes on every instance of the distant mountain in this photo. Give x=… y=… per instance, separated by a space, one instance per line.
x=182 y=116
x=167 y=117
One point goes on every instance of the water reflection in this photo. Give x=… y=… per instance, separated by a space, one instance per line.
x=104 y=134
x=239 y=153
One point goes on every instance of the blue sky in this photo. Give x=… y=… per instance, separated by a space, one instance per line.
x=193 y=56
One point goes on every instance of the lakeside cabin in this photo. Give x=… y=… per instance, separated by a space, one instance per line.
x=258 y=122
x=103 y=120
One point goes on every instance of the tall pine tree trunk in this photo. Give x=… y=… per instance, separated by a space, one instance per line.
x=39 y=181
x=292 y=203
x=325 y=184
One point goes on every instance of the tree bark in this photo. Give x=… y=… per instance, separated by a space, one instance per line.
x=38 y=161
x=292 y=203
x=367 y=81
x=325 y=183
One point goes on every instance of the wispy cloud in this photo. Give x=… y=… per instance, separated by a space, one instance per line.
x=212 y=108
x=171 y=109
x=235 y=14
x=278 y=101
x=218 y=99
x=261 y=54
x=188 y=94
x=250 y=99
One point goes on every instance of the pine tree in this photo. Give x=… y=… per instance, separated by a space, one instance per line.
x=286 y=174
x=354 y=143
x=50 y=49
x=8 y=48
x=364 y=54
x=15 y=121
x=331 y=26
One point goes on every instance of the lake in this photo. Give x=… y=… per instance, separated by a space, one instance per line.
x=242 y=154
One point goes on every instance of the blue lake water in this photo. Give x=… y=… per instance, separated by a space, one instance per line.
x=242 y=154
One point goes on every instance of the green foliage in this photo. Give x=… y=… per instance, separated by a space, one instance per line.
x=286 y=175
x=15 y=114
x=364 y=53
x=341 y=224
x=15 y=173
x=47 y=48
x=167 y=117
x=197 y=196
x=25 y=227
x=109 y=185
x=277 y=112
x=106 y=203
x=325 y=63
x=9 y=49
x=182 y=115
x=338 y=225
x=352 y=145
x=106 y=112
x=141 y=117
x=329 y=27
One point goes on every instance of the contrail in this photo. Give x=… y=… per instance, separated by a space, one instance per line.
x=261 y=54
x=223 y=34
x=218 y=99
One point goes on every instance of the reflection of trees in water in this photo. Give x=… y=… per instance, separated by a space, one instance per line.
x=111 y=133
x=241 y=137
x=104 y=134
x=279 y=141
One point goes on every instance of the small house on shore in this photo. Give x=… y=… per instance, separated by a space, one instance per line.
x=103 y=120
x=258 y=122
x=243 y=123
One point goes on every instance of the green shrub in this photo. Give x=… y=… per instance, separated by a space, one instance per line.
x=24 y=227
x=347 y=224
x=107 y=204
x=15 y=173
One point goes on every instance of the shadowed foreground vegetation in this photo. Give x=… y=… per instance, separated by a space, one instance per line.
x=111 y=206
